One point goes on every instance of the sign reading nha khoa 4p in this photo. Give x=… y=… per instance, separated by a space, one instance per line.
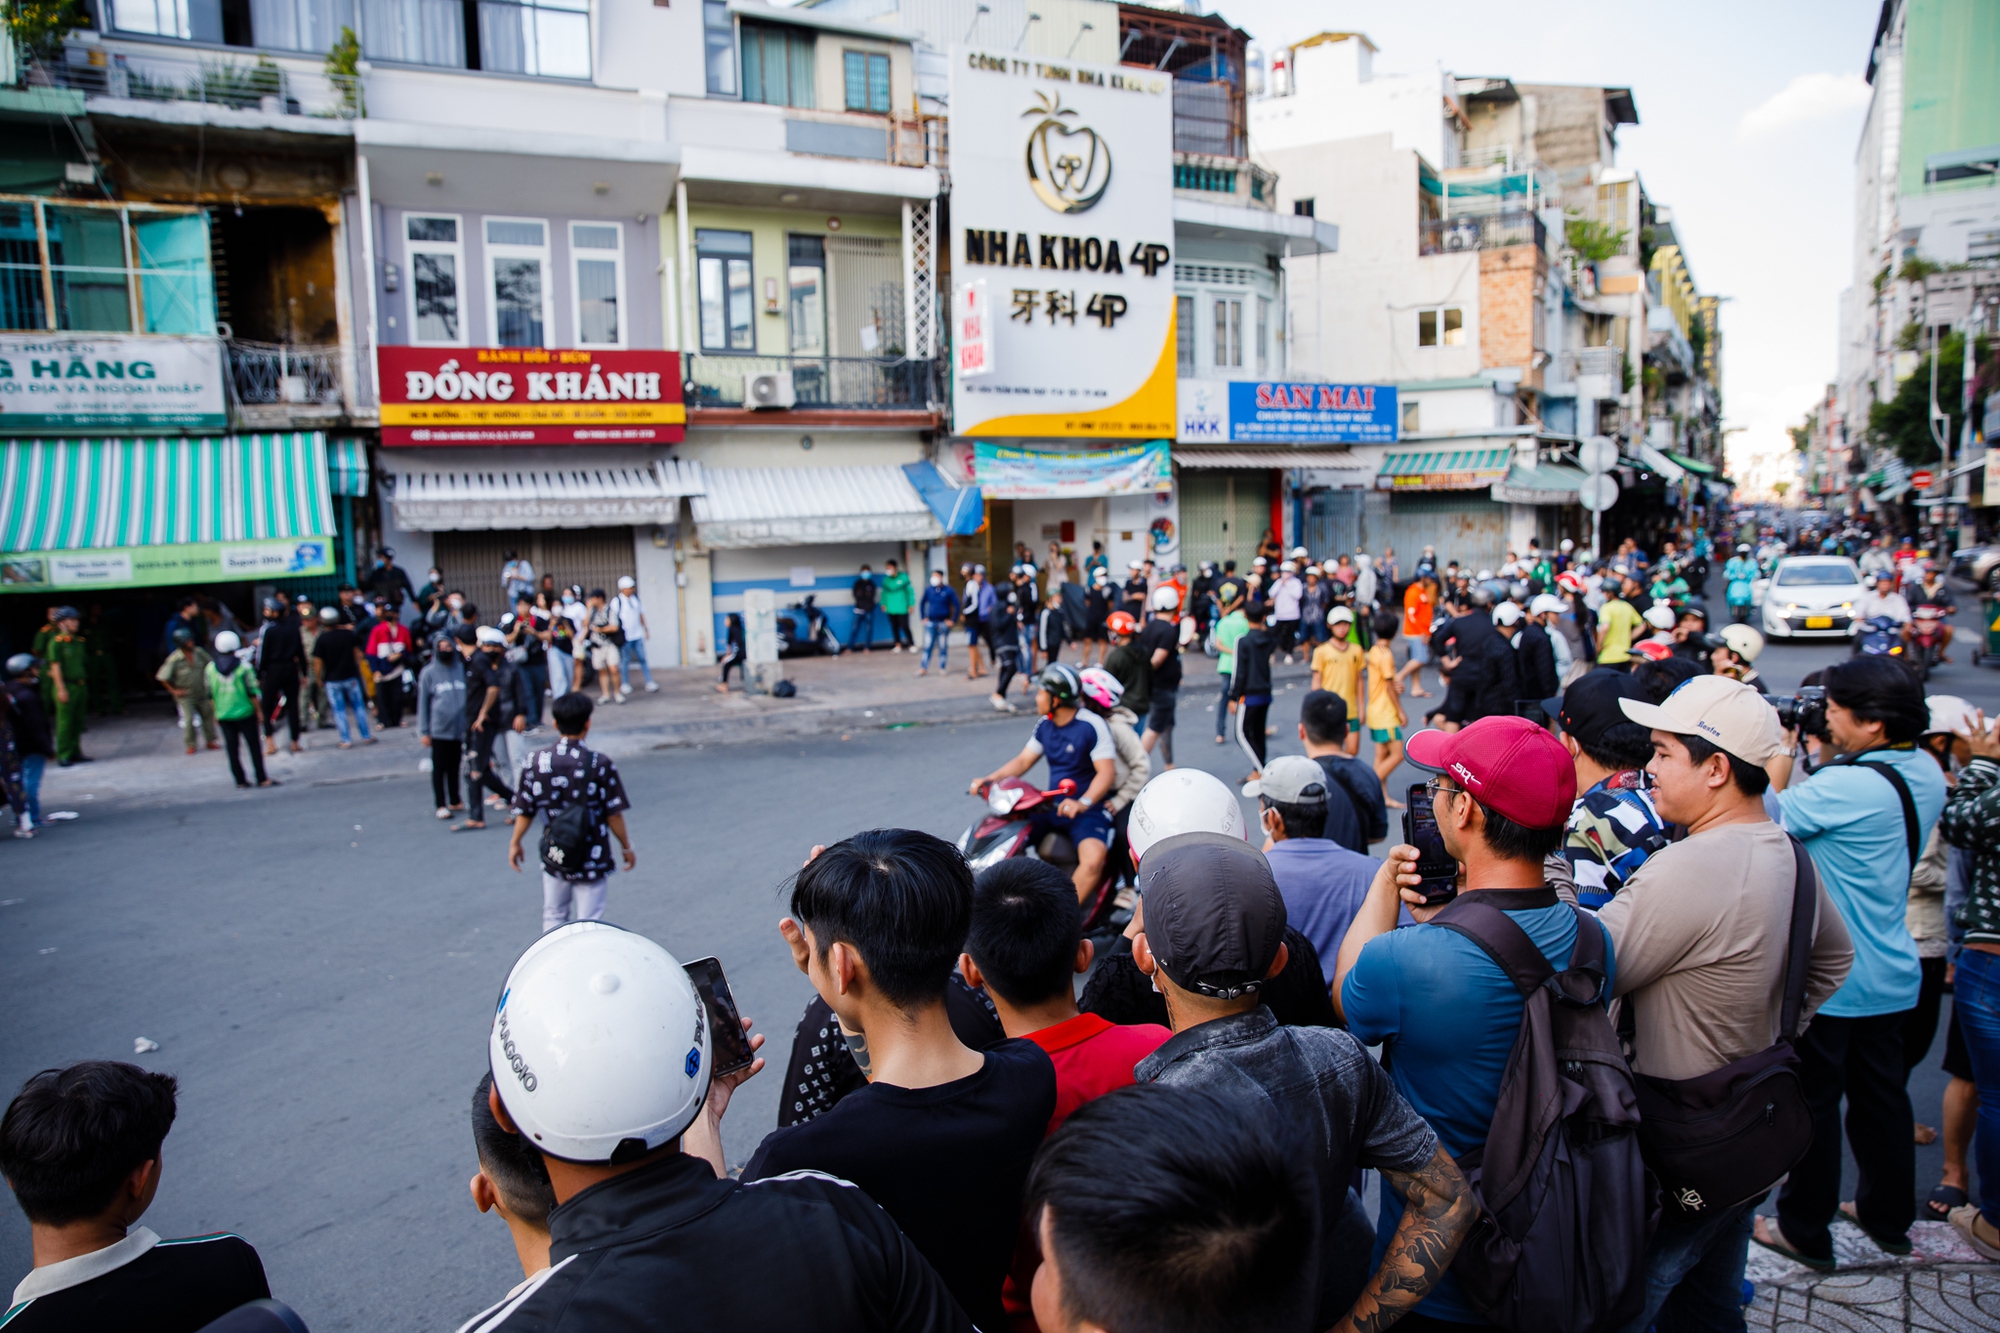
x=1063 y=207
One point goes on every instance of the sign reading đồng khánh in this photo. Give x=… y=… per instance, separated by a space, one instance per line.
x=529 y=395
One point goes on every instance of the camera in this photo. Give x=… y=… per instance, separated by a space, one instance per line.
x=1804 y=711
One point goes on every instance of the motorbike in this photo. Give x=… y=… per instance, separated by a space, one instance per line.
x=1926 y=639
x=1004 y=833
x=803 y=631
x=1879 y=637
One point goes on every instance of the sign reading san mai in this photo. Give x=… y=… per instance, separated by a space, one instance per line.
x=110 y=384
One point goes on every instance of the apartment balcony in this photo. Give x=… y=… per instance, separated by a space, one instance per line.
x=257 y=84
x=866 y=390
x=274 y=386
x=1225 y=180
x=1480 y=231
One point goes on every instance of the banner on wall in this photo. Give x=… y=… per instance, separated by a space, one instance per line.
x=1022 y=472
x=529 y=395
x=1062 y=240
x=110 y=384
x=151 y=566
x=1286 y=412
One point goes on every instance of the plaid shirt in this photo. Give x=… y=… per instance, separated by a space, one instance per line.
x=556 y=778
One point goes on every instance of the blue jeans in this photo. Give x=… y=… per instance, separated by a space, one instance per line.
x=937 y=634
x=1694 y=1273
x=863 y=634
x=538 y=684
x=1976 y=1000
x=634 y=651
x=346 y=697
x=31 y=785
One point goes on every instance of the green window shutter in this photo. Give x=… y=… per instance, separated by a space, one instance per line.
x=878 y=83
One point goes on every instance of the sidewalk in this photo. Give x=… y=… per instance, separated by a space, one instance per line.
x=140 y=756
x=1944 y=1285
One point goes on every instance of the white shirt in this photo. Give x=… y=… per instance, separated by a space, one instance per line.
x=631 y=615
x=51 y=1278
x=1285 y=597
x=1873 y=604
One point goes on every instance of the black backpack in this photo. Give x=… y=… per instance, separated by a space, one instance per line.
x=566 y=838
x=1567 y=1204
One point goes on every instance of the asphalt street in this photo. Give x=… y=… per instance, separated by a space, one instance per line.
x=319 y=970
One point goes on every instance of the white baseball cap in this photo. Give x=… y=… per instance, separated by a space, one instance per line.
x=1660 y=616
x=1185 y=800
x=1339 y=613
x=1948 y=713
x=600 y=1048
x=1507 y=613
x=1545 y=603
x=627 y=581
x=1726 y=713
x=487 y=634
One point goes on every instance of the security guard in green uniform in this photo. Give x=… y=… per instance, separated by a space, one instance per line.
x=69 y=673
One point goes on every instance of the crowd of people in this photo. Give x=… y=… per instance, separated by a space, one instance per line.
x=1652 y=930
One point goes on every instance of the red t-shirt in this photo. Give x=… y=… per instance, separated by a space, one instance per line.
x=1092 y=1056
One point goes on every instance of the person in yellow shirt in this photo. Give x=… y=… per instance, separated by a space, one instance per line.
x=1336 y=666
x=1617 y=623
x=1386 y=719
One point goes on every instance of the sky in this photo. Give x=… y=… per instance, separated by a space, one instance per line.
x=1749 y=114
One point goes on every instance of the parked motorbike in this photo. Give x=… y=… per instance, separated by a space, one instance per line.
x=803 y=631
x=1880 y=637
x=1926 y=639
x=1004 y=833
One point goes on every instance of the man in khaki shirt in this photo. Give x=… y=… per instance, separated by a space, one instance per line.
x=1701 y=932
x=184 y=673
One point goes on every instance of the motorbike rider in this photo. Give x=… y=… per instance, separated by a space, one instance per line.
x=1079 y=747
x=1104 y=695
x=1883 y=602
x=1741 y=572
x=1933 y=592
x=1733 y=653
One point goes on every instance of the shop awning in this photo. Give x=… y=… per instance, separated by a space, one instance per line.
x=440 y=493
x=798 y=506
x=1543 y=484
x=1444 y=469
x=1694 y=465
x=960 y=509
x=1339 y=460
x=75 y=495
x=347 y=466
x=1660 y=463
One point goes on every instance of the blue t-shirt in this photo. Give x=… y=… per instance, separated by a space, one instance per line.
x=1323 y=885
x=1073 y=748
x=1448 y=1018
x=1851 y=821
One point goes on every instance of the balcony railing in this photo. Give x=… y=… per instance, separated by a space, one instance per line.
x=263 y=374
x=1480 y=231
x=852 y=383
x=259 y=84
x=1594 y=361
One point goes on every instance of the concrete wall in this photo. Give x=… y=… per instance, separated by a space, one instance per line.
x=1338 y=94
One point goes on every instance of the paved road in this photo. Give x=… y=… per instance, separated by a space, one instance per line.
x=319 y=969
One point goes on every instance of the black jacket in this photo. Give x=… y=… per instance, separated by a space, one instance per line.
x=1535 y=663
x=1253 y=664
x=1052 y=628
x=1486 y=670
x=864 y=593
x=280 y=649
x=31 y=722
x=671 y=1246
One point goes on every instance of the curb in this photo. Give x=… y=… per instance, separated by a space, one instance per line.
x=816 y=722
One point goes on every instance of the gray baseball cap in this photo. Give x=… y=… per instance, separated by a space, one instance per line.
x=1292 y=778
x=1214 y=916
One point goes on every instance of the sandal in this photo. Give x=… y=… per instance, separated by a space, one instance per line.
x=1774 y=1240
x=1965 y=1221
x=1899 y=1246
x=469 y=826
x=1943 y=1199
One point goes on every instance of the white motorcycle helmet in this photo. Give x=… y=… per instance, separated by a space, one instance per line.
x=1185 y=800
x=600 y=1047
x=1166 y=597
x=227 y=642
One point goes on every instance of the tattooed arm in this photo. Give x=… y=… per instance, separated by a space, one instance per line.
x=1438 y=1209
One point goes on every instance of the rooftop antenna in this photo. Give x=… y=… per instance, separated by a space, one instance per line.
x=1033 y=19
x=1081 y=30
x=982 y=9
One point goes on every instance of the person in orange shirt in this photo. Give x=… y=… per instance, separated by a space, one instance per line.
x=1336 y=666
x=1419 y=601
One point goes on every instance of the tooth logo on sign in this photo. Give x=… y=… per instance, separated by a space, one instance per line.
x=1069 y=168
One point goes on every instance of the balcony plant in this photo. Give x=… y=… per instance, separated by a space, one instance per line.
x=39 y=26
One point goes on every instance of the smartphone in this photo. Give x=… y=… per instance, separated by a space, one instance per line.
x=1438 y=867
x=731 y=1045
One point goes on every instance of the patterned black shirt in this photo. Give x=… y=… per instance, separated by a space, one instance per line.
x=556 y=778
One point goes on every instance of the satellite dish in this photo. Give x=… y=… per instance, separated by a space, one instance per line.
x=1597 y=455
x=1597 y=493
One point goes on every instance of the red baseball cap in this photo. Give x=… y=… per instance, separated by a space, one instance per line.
x=1508 y=764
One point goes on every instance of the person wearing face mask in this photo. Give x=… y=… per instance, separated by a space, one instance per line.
x=561 y=641
x=939 y=607
x=281 y=661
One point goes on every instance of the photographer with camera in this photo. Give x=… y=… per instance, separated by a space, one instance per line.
x=1865 y=817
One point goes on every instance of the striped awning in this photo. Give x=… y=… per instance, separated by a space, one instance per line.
x=74 y=495
x=443 y=491
x=347 y=466
x=1444 y=469
x=801 y=506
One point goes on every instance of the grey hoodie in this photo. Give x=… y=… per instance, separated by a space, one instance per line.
x=441 y=699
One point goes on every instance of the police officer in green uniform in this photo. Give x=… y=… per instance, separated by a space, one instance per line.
x=69 y=674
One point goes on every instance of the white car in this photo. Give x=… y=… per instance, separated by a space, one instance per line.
x=1812 y=597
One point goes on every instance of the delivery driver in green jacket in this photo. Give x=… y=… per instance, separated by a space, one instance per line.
x=67 y=673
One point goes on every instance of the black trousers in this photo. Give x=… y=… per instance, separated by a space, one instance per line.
x=481 y=773
x=1862 y=1060
x=389 y=701
x=446 y=756
x=276 y=686
x=244 y=730
x=1921 y=1030
x=1009 y=659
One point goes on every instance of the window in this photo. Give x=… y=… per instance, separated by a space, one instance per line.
x=867 y=78
x=597 y=255
x=806 y=278
x=1229 y=332
x=1263 y=333
x=415 y=32
x=723 y=289
x=1302 y=208
x=517 y=262
x=718 y=32
x=777 y=65
x=295 y=25
x=1184 y=336
x=1441 y=328
x=436 y=260
x=109 y=269
x=1412 y=416
x=1613 y=202
x=549 y=38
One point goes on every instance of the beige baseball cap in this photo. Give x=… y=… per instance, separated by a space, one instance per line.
x=1726 y=713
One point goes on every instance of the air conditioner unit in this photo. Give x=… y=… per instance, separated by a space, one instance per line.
x=773 y=390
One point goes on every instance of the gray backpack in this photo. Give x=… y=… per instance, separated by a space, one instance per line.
x=1567 y=1204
